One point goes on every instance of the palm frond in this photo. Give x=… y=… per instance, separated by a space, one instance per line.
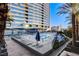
x=67 y=20
x=68 y=4
x=64 y=9
x=68 y=17
x=70 y=22
x=62 y=12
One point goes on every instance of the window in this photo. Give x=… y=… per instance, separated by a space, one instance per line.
x=26 y=14
x=13 y=8
x=48 y=26
x=42 y=10
x=26 y=4
x=42 y=23
x=42 y=26
x=42 y=20
x=26 y=17
x=26 y=21
x=30 y=25
x=36 y=25
x=42 y=15
x=26 y=7
x=45 y=26
x=26 y=10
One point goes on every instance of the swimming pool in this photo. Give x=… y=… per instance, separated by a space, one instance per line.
x=43 y=36
x=47 y=36
x=47 y=41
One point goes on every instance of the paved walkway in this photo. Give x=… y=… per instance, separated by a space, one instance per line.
x=15 y=49
x=66 y=53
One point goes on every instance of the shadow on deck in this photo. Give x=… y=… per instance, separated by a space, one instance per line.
x=74 y=49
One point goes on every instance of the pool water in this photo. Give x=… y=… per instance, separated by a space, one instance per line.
x=44 y=37
x=47 y=36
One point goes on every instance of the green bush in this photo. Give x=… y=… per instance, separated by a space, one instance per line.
x=68 y=33
x=56 y=44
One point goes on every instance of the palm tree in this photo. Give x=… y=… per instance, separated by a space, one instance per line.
x=3 y=19
x=69 y=20
x=76 y=27
x=9 y=18
x=73 y=10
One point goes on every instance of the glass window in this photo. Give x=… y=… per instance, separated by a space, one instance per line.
x=36 y=25
x=30 y=25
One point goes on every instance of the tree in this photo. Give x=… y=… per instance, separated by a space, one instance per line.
x=69 y=20
x=72 y=9
x=3 y=19
x=68 y=32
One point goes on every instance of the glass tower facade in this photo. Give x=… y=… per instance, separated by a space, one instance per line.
x=30 y=15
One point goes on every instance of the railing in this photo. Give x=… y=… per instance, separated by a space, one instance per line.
x=60 y=49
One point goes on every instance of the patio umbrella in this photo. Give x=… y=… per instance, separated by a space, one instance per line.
x=37 y=37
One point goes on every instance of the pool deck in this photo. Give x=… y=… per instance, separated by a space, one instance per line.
x=14 y=49
x=40 y=50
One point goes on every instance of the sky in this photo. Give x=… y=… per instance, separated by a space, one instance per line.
x=56 y=20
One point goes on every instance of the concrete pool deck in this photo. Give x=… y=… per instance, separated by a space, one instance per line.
x=40 y=50
x=14 y=49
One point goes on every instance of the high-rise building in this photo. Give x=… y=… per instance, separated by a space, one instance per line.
x=30 y=15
